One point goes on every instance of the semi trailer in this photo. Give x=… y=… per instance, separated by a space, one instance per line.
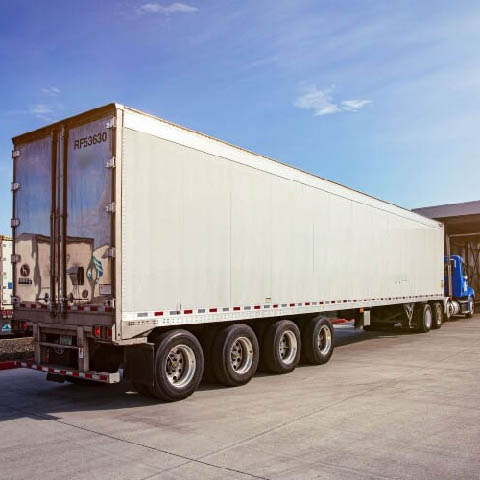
x=144 y=247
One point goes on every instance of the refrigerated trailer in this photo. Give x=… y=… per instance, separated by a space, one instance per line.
x=143 y=246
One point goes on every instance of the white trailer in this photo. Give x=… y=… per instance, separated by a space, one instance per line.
x=170 y=250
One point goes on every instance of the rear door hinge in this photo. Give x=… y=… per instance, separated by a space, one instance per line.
x=15 y=222
x=110 y=123
x=15 y=153
x=14 y=258
x=110 y=163
x=15 y=186
x=111 y=252
x=110 y=207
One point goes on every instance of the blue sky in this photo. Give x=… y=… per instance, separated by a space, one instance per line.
x=381 y=96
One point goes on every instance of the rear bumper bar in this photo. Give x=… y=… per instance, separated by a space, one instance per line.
x=104 y=377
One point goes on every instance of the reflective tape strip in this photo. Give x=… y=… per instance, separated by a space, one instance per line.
x=97 y=376
x=73 y=308
x=302 y=307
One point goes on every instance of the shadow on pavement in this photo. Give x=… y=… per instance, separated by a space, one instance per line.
x=26 y=394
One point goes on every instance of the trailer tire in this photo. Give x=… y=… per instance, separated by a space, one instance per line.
x=178 y=365
x=281 y=347
x=471 y=310
x=235 y=354
x=317 y=340
x=437 y=309
x=423 y=317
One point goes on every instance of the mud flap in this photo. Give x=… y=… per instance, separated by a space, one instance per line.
x=140 y=364
x=55 y=377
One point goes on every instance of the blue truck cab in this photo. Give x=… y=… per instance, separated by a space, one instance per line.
x=462 y=297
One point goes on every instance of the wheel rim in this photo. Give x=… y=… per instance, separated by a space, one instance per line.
x=241 y=355
x=472 y=306
x=288 y=347
x=439 y=315
x=180 y=366
x=428 y=318
x=324 y=339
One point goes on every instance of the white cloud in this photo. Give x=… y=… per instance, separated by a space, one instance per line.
x=322 y=102
x=176 y=7
x=354 y=105
x=51 y=91
x=43 y=111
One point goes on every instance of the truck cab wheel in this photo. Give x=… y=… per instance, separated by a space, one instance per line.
x=437 y=310
x=178 y=365
x=423 y=317
x=317 y=340
x=281 y=347
x=471 y=307
x=235 y=355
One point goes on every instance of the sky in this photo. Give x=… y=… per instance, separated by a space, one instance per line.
x=383 y=97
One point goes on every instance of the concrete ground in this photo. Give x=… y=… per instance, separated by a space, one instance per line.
x=388 y=405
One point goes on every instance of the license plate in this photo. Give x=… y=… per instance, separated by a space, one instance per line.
x=65 y=340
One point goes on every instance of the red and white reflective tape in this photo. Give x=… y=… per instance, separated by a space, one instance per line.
x=89 y=308
x=70 y=308
x=209 y=310
x=173 y=316
x=97 y=376
x=33 y=306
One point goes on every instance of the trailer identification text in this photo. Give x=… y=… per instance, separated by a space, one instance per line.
x=90 y=140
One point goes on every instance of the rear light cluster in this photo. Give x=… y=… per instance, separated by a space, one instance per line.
x=103 y=332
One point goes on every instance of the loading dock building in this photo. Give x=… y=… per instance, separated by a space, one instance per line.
x=462 y=234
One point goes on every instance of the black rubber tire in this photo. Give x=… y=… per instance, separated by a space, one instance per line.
x=472 y=311
x=222 y=346
x=420 y=315
x=271 y=343
x=163 y=389
x=310 y=347
x=437 y=310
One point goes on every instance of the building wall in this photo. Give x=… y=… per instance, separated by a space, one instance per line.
x=469 y=250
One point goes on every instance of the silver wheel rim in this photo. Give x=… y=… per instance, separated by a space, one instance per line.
x=241 y=355
x=428 y=318
x=324 y=339
x=180 y=366
x=472 y=306
x=287 y=347
x=439 y=315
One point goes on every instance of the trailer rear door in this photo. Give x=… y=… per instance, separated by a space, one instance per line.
x=89 y=207
x=63 y=216
x=32 y=179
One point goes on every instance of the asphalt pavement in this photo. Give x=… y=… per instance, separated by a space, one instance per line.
x=389 y=405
